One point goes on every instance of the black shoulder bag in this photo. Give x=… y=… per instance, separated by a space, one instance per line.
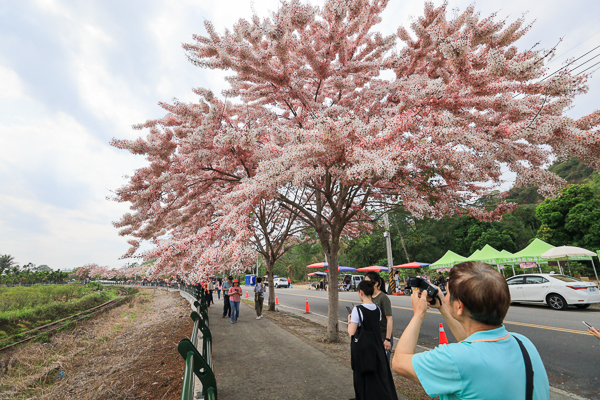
x=528 y=371
x=363 y=348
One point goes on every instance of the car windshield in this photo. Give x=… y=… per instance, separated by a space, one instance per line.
x=565 y=278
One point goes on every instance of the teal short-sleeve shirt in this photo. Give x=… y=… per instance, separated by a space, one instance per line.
x=486 y=365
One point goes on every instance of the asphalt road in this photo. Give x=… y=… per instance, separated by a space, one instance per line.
x=571 y=355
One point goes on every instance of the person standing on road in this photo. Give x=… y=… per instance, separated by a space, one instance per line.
x=226 y=303
x=382 y=301
x=235 y=294
x=488 y=362
x=219 y=287
x=259 y=297
x=370 y=366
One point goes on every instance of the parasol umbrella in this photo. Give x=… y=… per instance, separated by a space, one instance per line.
x=413 y=264
x=570 y=252
x=318 y=265
x=318 y=274
x=375 y=268
x=341 y=268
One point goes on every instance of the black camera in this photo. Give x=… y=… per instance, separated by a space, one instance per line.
x=422 y=284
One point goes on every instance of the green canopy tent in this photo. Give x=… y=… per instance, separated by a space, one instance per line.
x=531 y=253
x=473 y=257
x=488 y=255
x=507 y=255
x=449 y=260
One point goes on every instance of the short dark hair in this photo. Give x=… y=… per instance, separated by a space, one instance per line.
x=368 y=287
x=374 y=277
x=482 y=290
x=230 y=277
x=259 y=279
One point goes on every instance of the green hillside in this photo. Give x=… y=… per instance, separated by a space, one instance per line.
x=571 y=170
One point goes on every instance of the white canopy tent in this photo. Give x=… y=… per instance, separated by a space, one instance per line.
x=566 y=252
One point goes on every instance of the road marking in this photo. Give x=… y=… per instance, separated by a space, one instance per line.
x=549 y=328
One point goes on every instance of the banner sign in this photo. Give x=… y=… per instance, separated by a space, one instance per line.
x=527 y=265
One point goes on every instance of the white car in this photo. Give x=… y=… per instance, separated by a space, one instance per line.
x=280 y=282
x=557 y=291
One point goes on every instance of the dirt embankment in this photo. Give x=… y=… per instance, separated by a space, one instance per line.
x=129 y=352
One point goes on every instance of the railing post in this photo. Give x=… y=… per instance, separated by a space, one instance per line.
x=200 y=367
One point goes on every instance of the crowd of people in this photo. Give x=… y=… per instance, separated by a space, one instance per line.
x=232 y=294
x=487 y=362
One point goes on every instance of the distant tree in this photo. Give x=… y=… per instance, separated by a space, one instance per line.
x=43 y=268
x=572 y=218
x=6 y=261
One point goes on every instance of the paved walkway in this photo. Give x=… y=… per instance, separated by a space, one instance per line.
x=257 y=359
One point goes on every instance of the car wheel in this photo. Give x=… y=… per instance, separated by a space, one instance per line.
x=582 y=305
x=556 y=302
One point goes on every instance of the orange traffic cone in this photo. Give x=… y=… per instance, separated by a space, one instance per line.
x=307 y=308
x=443 y=338
x=247 y=294
x=276 y=299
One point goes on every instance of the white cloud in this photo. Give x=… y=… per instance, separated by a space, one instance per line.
x=75 y=74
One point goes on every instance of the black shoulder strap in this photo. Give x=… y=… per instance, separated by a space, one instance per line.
x=528 y=371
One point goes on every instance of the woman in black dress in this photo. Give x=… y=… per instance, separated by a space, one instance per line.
x=371 y=369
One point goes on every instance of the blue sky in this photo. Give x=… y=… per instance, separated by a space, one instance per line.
x=74 y=74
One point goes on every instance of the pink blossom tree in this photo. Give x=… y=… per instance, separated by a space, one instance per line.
x=198 y=153
x=465 y=103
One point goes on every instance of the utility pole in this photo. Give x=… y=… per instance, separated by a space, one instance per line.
x=388 y=244
x=257 y=265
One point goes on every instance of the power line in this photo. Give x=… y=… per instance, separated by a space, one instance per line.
x=588 y=68
x=578 y=58
x=577 y=45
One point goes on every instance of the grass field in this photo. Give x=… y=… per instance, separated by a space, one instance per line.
x=25 y=308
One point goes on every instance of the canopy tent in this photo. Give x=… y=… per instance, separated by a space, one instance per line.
x=488 y=255
x=341 y=268
x=570 y=253
x=531 y=253
x=473 y=257
x=375 y=268
x=413 y=264
x=318 y=265
x=448 y=260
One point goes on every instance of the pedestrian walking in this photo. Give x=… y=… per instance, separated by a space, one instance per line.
x=381 y=300
x=235 y=294
x=370 y=367
x=209 y=292
x=226 y=303
x=219 y=287
x=259 y=297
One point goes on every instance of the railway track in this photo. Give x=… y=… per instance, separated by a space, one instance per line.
x=53 y=326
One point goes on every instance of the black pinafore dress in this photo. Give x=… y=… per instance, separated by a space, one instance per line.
x=377 y=384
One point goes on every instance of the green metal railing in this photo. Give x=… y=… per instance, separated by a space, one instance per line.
x=196 y=363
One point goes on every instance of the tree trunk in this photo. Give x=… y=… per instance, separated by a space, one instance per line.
x=334 y=310
x=269 y=266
